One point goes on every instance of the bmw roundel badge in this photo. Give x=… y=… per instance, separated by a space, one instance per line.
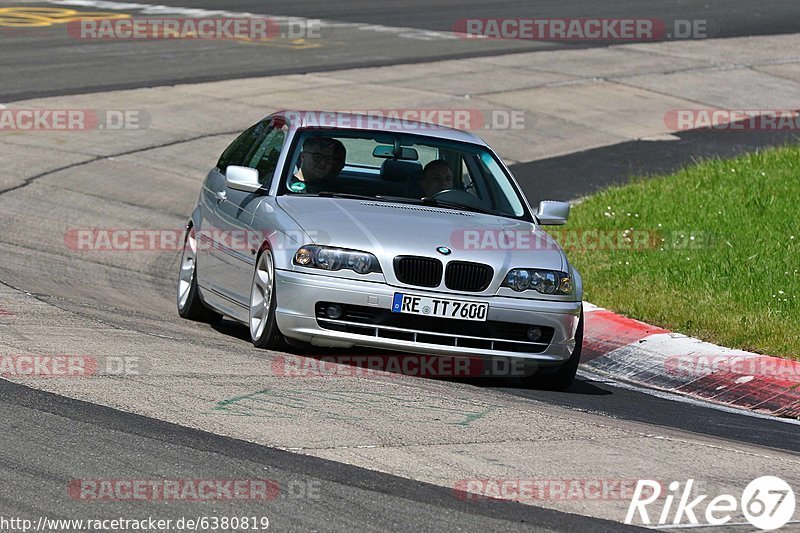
x=444 y=250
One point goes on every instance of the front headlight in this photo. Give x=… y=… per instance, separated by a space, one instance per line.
x=543 y=281
x=333 y=259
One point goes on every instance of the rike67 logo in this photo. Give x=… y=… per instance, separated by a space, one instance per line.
x=767 y=503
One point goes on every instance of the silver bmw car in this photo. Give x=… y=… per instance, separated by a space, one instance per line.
x=342 y=230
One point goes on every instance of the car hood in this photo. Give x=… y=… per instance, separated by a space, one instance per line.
x=389 y=229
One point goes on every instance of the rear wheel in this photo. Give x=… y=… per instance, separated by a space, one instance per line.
x=562 y=378
x=189 y=304
x=263 y=327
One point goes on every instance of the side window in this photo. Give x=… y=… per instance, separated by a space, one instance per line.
x=477 y=178
x=236 y=153
x=265 y=157
x=426 y=153
x=466 y=179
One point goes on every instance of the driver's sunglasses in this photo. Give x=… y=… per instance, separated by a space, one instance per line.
x=319 y=158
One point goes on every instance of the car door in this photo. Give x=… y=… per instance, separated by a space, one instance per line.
x=236 y=244
x=212 y=269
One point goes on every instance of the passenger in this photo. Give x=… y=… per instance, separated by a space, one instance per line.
x=315 y=166
x=436 y=177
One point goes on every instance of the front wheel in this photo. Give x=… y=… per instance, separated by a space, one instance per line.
x=189 y=304
x=263 y=327
x=562 y=378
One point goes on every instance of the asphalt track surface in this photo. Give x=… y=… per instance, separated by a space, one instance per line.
x=67 y=435
x=48 y=440
x=48 y=61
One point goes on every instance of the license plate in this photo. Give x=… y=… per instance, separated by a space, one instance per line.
x=439 y=307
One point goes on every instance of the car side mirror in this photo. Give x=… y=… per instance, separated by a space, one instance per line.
x=242 y=179
x=553 y=213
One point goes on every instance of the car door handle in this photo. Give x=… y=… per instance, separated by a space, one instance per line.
x=220 y=195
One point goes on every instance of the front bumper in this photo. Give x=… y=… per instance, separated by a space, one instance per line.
x=298 y=293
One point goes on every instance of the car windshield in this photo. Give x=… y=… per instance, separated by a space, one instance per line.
x=401 y=167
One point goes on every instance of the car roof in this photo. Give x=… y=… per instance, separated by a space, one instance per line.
x=334 y=120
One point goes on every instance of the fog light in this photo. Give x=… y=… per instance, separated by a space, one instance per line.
x=334 y=311
x=534 y=333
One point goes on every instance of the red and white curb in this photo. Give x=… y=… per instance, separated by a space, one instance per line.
x=632 y=351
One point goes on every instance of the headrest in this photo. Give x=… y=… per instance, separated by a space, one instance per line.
x=400 y=171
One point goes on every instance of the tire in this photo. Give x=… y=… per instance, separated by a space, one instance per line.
x=561 y=379
x=264 y=332
x=190 y=306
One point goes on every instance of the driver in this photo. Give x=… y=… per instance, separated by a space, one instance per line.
x=436 y=177
x=317 y=160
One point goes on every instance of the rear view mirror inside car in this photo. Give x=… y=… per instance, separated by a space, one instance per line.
x=388 y=152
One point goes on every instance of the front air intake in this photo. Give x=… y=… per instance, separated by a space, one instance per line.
x=419 y=271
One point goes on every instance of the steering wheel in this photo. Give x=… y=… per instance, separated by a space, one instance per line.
x=458 y=196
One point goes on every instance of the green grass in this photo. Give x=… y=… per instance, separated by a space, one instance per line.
x=736 y=284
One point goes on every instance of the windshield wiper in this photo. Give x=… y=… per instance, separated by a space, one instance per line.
x=453 y=205
x=402 y=199
x=376 y=198
x=331 y=194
